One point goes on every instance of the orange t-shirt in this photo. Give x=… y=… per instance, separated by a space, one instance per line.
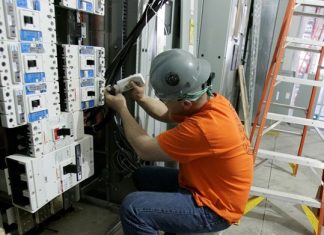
x=215 y=161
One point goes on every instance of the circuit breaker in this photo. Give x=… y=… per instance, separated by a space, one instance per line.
x=91 y=6
x=29 y=88
x=83 y=71
x=27 y=21
x=36 y=181
x=50 y=134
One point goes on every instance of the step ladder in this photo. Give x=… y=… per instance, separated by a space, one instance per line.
x=264 y=117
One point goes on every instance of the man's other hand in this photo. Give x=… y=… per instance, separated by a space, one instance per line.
x=137 y=92
x=116 y=102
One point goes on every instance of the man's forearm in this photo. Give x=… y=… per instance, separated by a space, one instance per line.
x=155 y=108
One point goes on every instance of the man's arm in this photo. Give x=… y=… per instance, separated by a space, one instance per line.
x=154 y=107
x=145 y=146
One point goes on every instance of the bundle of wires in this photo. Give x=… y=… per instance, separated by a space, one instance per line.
x=125 y=159
x=151 y=9
x=111 y=77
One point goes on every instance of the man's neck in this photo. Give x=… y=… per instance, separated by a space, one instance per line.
x=198 y=104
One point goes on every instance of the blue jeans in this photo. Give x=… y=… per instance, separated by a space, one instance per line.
x=162 y=205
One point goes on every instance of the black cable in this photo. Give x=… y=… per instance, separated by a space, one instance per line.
x=119 y=59
x=110 y=75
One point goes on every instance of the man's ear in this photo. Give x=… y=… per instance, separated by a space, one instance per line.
x=187 y=104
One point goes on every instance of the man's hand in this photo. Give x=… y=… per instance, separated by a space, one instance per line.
x=116 y=102
x=137 y=92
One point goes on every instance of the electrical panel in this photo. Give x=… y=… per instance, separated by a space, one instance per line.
x=29 y=89
x=44 y=87
x=83 y=70
x=90 y=6
x=36 y=181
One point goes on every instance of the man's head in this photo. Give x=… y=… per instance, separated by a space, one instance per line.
x=177 y=75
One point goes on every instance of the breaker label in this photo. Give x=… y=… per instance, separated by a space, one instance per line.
x=22 y=3
x=34 y=89
x=87 y=73
x=78 y=162
x=33 y=117
x=87 y=104
x=34 y=77
x=87 y=50
x=89 y=7
x=87 y=83
x=36 y=5
x=20 y=108
x=26 y=35
x=31 y=48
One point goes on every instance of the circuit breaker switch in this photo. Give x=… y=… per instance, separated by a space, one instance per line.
x=63 y=132
x=71 y=168
x=90 y=62
x=91 y=93
x=32 y=63
x=35 y=103
x=28 y=20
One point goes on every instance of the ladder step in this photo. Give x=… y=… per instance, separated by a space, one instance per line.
x=283 y=196
x=314 y=3
x=284 y=157
x=288 y=106
x=308 y=14
x=305 y=41
x=300 y=81
x=288 y=132
x=301 y=47
x=295 y=120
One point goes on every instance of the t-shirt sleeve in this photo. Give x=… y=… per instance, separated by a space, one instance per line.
x=185 y=142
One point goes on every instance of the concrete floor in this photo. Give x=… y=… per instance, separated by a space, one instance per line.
x=269 y=218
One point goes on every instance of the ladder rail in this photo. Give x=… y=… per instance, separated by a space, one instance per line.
x=281 y=47
x=309 y=114
x=321 y=211
x=283 y=33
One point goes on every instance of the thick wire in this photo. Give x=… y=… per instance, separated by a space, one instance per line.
x=125 y=157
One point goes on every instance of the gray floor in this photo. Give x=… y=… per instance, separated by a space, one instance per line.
x=86 y=219
x=269 y=218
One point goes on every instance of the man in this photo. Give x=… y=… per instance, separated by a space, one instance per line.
x=211 y=187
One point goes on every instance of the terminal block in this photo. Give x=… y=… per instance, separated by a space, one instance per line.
x=82 y=76
x=36 y=181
